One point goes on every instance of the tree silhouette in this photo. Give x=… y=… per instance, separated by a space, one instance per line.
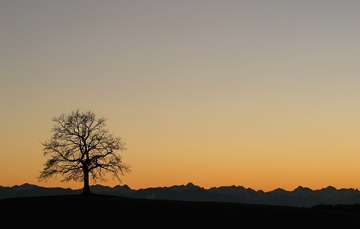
x=81 y=147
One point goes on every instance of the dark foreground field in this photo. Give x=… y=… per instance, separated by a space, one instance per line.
x=116 y=212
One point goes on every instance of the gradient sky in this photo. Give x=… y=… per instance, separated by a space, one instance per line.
x=262 y=94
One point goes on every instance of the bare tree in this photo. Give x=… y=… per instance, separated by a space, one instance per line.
x=80 y=148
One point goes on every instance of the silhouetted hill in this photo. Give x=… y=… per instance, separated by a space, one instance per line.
x=29 y=190
x=300 y=197
x=100 y=211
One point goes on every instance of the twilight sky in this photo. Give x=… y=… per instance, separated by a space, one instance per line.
x=263 y=94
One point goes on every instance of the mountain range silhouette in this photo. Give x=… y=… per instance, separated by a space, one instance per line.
x=299 y=197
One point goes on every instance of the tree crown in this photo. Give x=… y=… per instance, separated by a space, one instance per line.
x=81 y=146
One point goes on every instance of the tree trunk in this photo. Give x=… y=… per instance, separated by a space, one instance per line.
x=86 y=189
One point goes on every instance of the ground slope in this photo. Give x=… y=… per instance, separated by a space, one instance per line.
x=116 y=212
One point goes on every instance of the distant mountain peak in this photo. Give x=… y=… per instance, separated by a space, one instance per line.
x=122 y=186
x=330 y=188
x=25 y=186
x=190 y=184
x=188 y=187
x=279 y=190
x=301 y=188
